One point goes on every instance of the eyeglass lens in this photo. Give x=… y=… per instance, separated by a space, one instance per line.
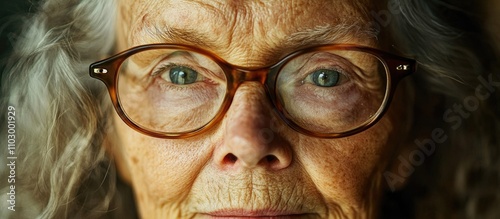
x=171 y=90
x=332 y=91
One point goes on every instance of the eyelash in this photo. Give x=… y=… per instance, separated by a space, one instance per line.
x=158 y=71
x=165 y=85
x=305 y=76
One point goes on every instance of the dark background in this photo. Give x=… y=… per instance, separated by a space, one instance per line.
x=12 y=15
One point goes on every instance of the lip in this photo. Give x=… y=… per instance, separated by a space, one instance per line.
x=259 y=214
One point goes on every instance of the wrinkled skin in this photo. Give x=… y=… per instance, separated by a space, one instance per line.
x=252 y=164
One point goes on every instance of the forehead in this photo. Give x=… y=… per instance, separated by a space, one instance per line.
x=229 y=9
x=230 y=27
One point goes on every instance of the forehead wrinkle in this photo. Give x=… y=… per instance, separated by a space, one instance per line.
x=176 y=35
x=181 y=30
x=135 y=14
x=327 y=33
x=354 y=33
x=322 y=34
x=230 y=37
x=226 y=16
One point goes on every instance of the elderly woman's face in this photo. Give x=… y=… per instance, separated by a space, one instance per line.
x=252 y=164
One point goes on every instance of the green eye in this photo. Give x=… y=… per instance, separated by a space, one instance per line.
x=325 y=77
x=182 y=75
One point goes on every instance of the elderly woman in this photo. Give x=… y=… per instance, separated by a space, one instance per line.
x=250 y=109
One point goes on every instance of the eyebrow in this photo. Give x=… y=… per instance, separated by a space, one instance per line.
x=340 y=33
x=178 y=35
x=321 y=34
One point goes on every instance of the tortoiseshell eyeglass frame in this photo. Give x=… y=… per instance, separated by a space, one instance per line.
x=396 y=68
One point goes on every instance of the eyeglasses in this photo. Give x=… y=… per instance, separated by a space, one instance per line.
x=178 y=91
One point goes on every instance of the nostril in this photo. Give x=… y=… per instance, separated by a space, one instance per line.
x=230 y=159
x=271 y=159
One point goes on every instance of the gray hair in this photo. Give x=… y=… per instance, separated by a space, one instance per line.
x=62 y=169
x=462 y=178
x=64 y=172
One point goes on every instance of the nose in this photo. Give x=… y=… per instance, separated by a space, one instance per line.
x=251 y=137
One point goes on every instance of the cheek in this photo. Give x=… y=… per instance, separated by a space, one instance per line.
x=161 y=171
x=349 y=170
x=345 y=169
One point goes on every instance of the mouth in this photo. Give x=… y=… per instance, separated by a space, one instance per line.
x=259 y=214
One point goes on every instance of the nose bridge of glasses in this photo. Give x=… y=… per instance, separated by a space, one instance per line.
x=259 y=75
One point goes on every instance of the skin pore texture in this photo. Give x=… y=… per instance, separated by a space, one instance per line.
x=251 y=164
